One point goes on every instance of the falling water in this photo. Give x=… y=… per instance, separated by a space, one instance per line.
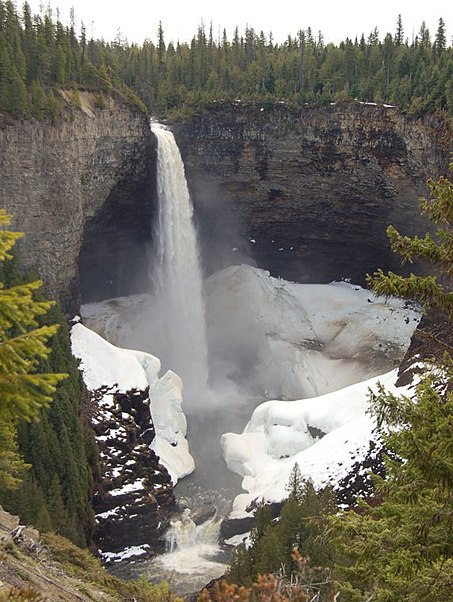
x=178 y=286
x=192 y=559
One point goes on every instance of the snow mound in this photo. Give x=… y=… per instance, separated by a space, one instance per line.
x=288 y=340
x=117 y=370
x=325 y=435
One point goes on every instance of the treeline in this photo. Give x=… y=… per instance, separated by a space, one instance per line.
x=39 y=55
x=302 y=526
x=417 y=76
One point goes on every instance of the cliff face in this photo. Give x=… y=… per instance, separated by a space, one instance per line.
x=307 y=195
x=312 y=192
x=69 y=186
x=134 y=499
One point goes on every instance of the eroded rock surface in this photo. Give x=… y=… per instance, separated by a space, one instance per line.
x=308 y=194
x=134 y=498
x=68 y=186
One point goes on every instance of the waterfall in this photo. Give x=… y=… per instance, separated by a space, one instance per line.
x=184 y=534
x=193 y=556
x=178 y=316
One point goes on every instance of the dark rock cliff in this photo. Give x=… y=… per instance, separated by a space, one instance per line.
x=310 y=192
x=133 y=500
x=305 y=194
x=80 y=190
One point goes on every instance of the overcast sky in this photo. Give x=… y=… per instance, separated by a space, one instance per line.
x=138 y=19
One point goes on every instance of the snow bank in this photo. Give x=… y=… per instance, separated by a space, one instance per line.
x=325 y=435
x=104 y=365
x=288 y=340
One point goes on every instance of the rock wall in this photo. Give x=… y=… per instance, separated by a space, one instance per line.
x=134 y=497
x=75 y=189
x=306 y=194
x=310 y=192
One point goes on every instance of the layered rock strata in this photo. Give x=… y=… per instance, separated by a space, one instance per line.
x=74 y=189
x=312 y=191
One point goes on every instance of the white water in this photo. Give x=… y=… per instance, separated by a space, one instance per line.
x=184 y=535
x=193 y=556
x=180 y=332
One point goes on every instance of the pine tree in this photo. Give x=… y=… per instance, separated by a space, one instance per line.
x=399 y=35
x=402 y=548
x=23 y=390
x=433 y=290
x=440 y=42
x=295 y=483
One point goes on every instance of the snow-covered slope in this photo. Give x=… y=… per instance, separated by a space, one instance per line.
x=325 y=435
x=278 y=339
x=115 y=370
x=288 y=340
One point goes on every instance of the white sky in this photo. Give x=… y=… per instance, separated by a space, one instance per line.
x=138 y=19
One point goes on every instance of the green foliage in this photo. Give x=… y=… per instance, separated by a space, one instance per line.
x=39 y=56
x=24 y=389
x=61 y=451
x=431 y=290
x=177 y=80
x=402 y=548
x=74 y=99
x=301 y=526
x=100 y=102
x=51 y=441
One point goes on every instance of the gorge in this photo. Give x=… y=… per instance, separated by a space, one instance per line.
x=338 y=174
x=296 y=194
x=266 y=338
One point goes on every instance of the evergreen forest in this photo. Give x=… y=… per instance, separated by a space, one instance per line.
x=48 y=454
x=40 y=56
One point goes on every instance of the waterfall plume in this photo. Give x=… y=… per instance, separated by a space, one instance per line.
x=178 y=317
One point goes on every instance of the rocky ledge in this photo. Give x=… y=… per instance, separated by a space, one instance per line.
x=134 y=498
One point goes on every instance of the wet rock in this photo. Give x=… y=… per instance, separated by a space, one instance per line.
x=202 y=514
x=236 y=526
x=134 y=499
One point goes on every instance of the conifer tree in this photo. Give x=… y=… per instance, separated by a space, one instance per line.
x=433 y=290
x=23 y=344
x=402 y=548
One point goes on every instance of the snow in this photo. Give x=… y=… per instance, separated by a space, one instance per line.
x=109 y=513
x=105 y=366
x=277 y=436
x=301 y=340
x=128 y=488
x=132 y=551
x=321 y=345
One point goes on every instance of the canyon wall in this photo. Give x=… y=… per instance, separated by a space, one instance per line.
x=80 y=190
x=308 y=194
